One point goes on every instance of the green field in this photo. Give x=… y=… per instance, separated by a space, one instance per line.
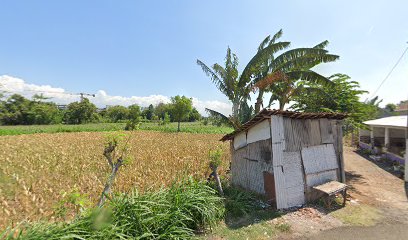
x=190 y=127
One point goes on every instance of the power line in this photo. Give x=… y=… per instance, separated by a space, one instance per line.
x=389 y=73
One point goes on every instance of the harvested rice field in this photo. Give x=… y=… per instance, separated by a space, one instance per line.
x=43 y=173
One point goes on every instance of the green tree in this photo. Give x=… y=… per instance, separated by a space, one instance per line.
x=181 y=106
x=134 y=111
x=148 y=112
x=194 y=115
x=343 y=97
x=390 y=107
x=44 y=113
x=161 y=109
x=15 y=110
x=80 y=112
x=117 y=113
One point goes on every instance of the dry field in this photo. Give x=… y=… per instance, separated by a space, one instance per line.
x=39 y=170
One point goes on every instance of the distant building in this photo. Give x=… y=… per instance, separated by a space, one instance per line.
x=386 y=135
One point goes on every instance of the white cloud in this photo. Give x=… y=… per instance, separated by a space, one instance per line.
x=12 y=85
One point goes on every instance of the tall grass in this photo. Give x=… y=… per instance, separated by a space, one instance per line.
x=173 y=213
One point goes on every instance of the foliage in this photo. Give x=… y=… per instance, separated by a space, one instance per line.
x=266 y=73
x=343 y=97
x=134 y=112
x=80 y=112
x=71 y=200
x=194 y=115
x=390 y=107
x=148 y=112
x=118 y=113
x=215 y=157
x=17 y=110
x=173 y=213
x=181 y=106
x=239 y=202
x=280 y=75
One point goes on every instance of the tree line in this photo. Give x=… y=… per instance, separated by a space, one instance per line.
x=18 y=110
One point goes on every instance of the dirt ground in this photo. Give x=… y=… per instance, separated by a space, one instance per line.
x=372 y=187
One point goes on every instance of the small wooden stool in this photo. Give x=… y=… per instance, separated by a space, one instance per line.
x=330 y=189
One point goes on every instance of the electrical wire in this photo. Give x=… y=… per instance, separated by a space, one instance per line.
x=389 y=73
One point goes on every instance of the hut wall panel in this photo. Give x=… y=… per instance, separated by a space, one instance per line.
x=260 y=131
x=319 y=158
x=240 y=140
x=292 y=140
x=301 y=131
x=278 y=145
x=239 y=168
x=296 y=196
x=255 y=177
x=326 y=130
x=292 y=170
x=315 y=137
x=258 y=160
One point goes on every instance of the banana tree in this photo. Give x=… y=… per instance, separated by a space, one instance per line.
x=287 y=69
x=236 y=87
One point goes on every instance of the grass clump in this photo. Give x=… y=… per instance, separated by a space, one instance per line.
x=173 y=213
x=239 y=202
x=358 y=215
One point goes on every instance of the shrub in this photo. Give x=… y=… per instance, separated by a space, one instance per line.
x=172 y=213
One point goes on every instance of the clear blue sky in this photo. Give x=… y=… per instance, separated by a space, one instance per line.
x=140 y=48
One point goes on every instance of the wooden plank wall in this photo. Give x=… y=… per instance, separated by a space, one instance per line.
x=278 y=146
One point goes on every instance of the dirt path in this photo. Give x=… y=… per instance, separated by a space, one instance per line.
x=373 y=186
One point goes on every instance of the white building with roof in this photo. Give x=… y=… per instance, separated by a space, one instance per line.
x=388 y=136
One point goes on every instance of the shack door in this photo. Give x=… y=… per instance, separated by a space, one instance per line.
x=269 y=187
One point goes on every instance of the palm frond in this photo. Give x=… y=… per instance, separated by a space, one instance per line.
x=269 y=80
x=264 y=43
x=296 y=53
x=322 y=45
x=276 y=37
x=214 y=78
x=302 y=60
x=310 y=76
x=230 y=121
x=258 y=59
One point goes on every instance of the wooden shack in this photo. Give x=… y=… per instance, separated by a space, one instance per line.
x=284 y=154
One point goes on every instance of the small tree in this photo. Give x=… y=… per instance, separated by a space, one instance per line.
x=134 y=111
x=80 y=112
x=180 y=108
x=215 y=162
x=115 y=152
x=117 y=113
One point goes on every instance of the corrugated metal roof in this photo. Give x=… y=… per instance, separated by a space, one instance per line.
x=394 y=121
x=266 y=113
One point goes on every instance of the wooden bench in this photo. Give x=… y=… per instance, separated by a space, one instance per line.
x=330 y=189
